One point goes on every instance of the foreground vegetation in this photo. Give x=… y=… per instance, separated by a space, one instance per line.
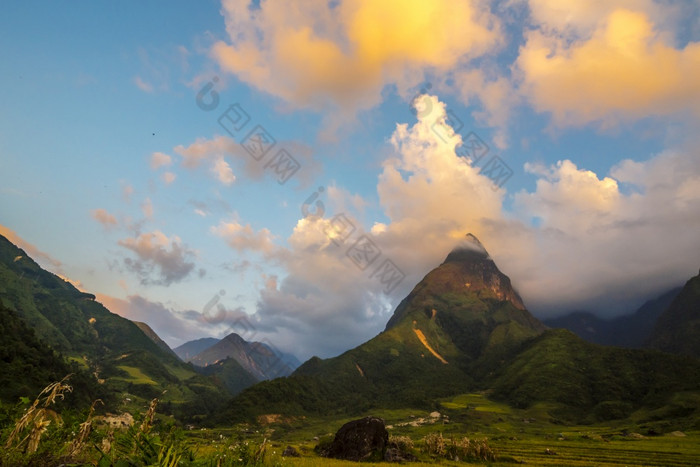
x=467 y=428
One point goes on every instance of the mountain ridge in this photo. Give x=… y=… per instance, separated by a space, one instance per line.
x=678 y=329
x=630 y=330
x=122 y=358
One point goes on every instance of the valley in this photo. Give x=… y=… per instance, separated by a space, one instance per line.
x=461 y=373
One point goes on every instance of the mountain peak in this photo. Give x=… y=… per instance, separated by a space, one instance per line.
x=467 y=275
x=469 y=248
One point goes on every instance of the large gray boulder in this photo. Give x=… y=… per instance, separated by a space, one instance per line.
x=360 y=440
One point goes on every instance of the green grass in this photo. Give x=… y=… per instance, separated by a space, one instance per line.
x=517 y=435
x=79 y=360
x=181 y=373
x=478 y=402
x=135 y=375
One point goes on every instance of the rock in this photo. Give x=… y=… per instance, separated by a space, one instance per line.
x=394 y=454
x=290 y=451
x=679 y=434
x=549 y=452
x=434 y=414
x=358 y=440
x=118 y=422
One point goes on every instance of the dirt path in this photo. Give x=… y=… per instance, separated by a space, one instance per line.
x=424 y=341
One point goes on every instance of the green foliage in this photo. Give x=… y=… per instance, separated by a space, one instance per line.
x=560 y=367
x=27 y=364
x=230 y=374
x=678 y=328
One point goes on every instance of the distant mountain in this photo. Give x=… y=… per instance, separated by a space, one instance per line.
x=154 y=337
x=678 y=329
x=630 y=331
x=122 y=358
x=255 y=357
x=190 y=349
x=464 y=328
x=231 y=374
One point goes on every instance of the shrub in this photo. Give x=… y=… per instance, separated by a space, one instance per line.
x=458 y=449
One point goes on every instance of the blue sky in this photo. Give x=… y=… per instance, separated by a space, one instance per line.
x=112 y=176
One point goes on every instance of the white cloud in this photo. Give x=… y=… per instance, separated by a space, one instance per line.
x=217 y=150
x=244 y=238
x=223 y=171
x=159 y=159
x=160 y=260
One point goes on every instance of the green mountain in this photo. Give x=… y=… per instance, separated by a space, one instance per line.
x=463 y=328
x=115 y=350
x=592 y=382
x=678 y=328
x=459 y=321
x=28 y=365
x=630 y=331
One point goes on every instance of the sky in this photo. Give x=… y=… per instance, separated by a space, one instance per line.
x=291 y=170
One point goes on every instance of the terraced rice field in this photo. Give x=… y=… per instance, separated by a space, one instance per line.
x=657 y=451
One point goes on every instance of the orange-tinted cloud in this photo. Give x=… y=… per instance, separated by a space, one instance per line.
x=626 y=70
x=314 y=54
x=243 y=237
x=107 y=220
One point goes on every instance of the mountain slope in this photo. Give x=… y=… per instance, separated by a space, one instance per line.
x=190 y=349
x=472 y=303
x=116 y=351
x=146 y=329
x=28 y=365
x=592 y=382
x=231 y=374
x=631 y=331
x=678 y=328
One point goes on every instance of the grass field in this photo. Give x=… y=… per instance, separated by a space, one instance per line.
x=135 y=375
x=529 y=436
